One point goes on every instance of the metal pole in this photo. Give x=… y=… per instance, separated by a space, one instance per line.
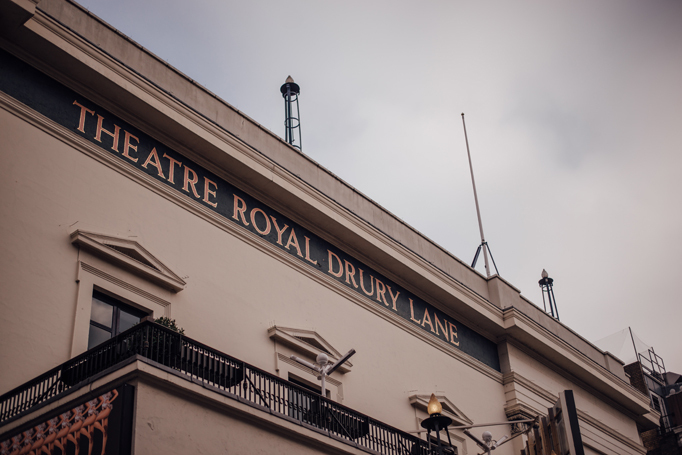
x=440 y=449
x=300 y=136
x=634 y=345
x=286 y=117
x=290 y=132
x=551 y=289
x=542 y=287
x=324 y=388
x=478 y=211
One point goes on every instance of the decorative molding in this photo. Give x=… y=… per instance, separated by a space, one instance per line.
x=519 y=412
x=515 y=378
x=129 y=255
x=83 y=421
x=123 y=284
x=296 y=340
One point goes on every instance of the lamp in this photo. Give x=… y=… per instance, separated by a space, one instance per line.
x=487 y=443
x=436 y=422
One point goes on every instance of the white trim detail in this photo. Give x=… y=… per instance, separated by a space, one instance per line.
x=141 y=262
x=296 y=340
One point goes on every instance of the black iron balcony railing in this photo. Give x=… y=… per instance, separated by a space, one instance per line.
x=235 y=378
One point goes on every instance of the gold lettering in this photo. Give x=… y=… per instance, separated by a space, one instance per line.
x=362 y=283
x=427 y=319
x=127 y=145
x=381 y=291
x=81 y=121
x=191 y=182
x=412 y=313
x=394 y=298
x=156 y=163
x=293 y=242
x=307 y=251
x=207 y=191
x=100 y=130
x=443 y=327
x=331 y=264
x=265 y=231
x=279 y=232
x=453 y=334
x=350 y=273
x=171 y=171
x=239 y=209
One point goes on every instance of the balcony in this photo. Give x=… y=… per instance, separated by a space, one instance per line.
x=226 y=375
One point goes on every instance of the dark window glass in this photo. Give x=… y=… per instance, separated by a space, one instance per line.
x=126 y=320
x=97 y=336
x=102 y=312
x=109 y=317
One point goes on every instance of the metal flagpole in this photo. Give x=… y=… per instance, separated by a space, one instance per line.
x=484 y=245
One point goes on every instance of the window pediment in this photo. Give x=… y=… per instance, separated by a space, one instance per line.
x=308 y=343
x=130 y=255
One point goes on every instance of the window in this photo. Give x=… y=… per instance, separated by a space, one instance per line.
x=109 y=317
x=306 y=344
x=306 y=405
x=302 y=405
x=306 y=385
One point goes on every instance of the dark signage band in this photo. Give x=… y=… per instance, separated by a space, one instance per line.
x=131 y=145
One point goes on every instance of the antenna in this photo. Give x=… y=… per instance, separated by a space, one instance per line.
x=323 y=366
x=484 y=245
x=292 y=121
x=547 y=286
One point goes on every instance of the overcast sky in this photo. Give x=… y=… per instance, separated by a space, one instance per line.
x=573 y=110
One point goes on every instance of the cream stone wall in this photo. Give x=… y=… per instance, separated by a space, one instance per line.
x=237 y=286
x=38 y=270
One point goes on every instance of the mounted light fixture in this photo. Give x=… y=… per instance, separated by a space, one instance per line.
x=487 y=443
x=436 y=422
x=323 y=367
x=434 y=406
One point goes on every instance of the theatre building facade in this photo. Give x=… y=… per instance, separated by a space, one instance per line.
x=129 y=193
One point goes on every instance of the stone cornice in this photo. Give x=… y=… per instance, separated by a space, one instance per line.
x=527 y=331
x=515 y=378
